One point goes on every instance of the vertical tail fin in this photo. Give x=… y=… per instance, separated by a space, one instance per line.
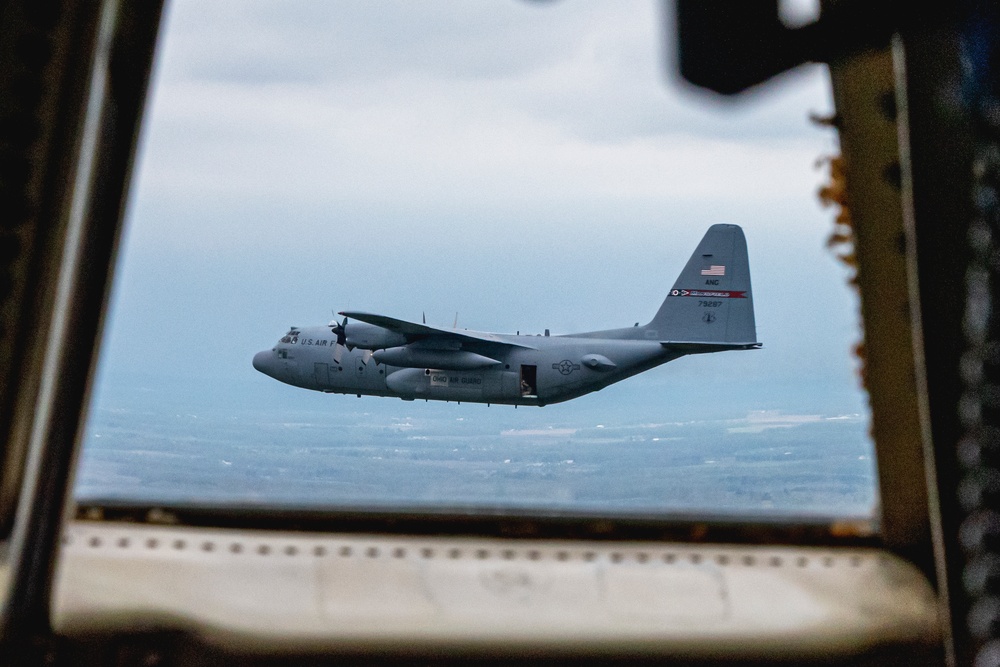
x=711 y=301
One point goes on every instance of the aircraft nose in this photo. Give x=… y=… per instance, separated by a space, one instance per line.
x=262 y=361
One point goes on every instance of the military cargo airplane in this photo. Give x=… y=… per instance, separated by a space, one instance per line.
x=709 y=309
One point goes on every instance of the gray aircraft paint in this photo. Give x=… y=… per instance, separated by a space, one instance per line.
x=708 y=309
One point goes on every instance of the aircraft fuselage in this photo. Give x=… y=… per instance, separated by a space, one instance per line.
x=547 y=369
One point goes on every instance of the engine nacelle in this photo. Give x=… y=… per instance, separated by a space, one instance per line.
x=371 y=337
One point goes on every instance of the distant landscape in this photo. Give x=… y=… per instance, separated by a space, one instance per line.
x=591 y=455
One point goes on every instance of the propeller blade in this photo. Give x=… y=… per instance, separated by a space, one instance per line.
x=455 y=324
x=338 y=352
x=339 y=330
x=366 y=356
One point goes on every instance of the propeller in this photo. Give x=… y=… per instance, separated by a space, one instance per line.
x=338 y=329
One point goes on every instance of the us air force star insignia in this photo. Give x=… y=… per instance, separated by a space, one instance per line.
x=566 y=366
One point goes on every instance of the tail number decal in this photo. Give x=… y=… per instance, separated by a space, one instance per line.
x=712 y=294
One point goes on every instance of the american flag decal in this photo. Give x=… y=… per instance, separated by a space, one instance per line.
x=714 y=270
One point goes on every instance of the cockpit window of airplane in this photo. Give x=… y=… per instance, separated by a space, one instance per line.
x=528 y=271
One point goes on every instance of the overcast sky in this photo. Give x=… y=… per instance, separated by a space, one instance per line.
x=527 y=165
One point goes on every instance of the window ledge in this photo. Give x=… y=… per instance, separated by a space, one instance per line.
x=264 y=591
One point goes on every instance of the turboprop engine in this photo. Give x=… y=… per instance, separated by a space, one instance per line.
x=370 y=336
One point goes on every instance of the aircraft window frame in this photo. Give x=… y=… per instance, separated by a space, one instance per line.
x=33 y=553
x=700 y=528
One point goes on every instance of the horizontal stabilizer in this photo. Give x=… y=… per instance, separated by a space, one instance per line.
x=694 y=348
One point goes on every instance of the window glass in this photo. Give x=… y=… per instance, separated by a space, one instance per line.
x=494 y=167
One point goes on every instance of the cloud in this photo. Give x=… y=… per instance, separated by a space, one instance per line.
x=450 y=102
x=417 y=145
x=260 y=42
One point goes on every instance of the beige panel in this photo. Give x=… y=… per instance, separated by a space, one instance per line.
x=275 y=591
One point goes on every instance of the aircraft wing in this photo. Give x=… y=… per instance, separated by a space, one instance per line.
x=417 y=332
